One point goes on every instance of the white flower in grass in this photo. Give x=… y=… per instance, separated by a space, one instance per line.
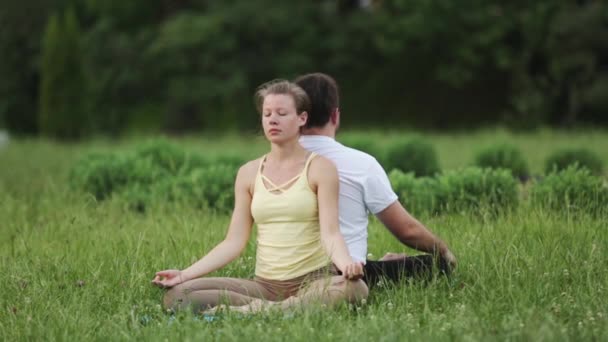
x=389 y=305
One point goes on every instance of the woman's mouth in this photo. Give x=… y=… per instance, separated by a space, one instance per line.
x=274 y=131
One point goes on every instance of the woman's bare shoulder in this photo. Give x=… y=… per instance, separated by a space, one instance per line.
x=323 y=168
x=250 y=169
x=322 y=164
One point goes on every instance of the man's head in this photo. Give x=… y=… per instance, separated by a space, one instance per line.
x=322 y=90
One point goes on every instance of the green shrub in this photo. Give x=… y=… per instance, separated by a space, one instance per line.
x=562 y=159
x=364 y=144
x=211 y=187
x=414 y=155
x=418 y=195
x=503 y=156
x=474 y=188
x=573 y=189
x=168 y=156
x=468 y=189
x=159 y=172
x=228 y=160
x=103 y=174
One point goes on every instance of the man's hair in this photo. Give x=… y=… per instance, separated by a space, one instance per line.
x=322 y=91
x=283 y=87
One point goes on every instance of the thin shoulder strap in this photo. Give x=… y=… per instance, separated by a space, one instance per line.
x=310 y=158
x=262 y=164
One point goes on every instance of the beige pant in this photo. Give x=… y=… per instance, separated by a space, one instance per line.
x=322 y=287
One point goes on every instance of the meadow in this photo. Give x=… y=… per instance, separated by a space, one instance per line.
x=75 y=268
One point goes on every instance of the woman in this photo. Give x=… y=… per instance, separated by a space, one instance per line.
x=298 y=232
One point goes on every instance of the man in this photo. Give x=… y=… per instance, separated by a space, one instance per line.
x=364 y=186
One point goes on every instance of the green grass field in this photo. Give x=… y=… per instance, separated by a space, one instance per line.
x=75 y=269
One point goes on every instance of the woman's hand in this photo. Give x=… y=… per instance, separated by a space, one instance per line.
x=168 y=278
x=353 y=271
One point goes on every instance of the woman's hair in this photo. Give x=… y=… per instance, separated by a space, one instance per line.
x=283 y=87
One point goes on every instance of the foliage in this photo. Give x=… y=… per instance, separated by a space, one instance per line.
x=584 y=158
x=158 y=172
x=62 y=106
x=474 y=189
x=414 y=155
x=418 y=195
x=503 y=156
x=468 y=190
x=22 y=23
x=573 y=189
x=104 y=174
x=211 y=187
x=184 y=66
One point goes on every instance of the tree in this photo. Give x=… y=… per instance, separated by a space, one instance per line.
x=62 y=92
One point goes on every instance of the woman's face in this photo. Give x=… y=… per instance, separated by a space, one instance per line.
x=280 y=119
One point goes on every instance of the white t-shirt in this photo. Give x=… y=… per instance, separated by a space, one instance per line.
x=364 y=187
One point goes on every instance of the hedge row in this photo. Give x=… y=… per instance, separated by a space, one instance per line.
x=469 y=189
x=162 y=172
x=474 y=189
x=158 y=172
x=418 y=156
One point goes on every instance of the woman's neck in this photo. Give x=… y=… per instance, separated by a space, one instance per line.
x=287 y=151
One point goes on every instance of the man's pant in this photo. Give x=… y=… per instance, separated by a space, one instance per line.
x=420 y=267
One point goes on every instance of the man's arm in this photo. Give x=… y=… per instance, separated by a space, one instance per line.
x=412 y=233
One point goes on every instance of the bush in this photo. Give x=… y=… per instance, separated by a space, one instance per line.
x=474 y=188
x=504 y=156
x=99 y=174
x=160 y=172
x=211 y=187
x=414 y=155
x=418 y=195
x=573 y=189
x=363 y=144
x=469 y=189
x=104 y=174
x=562 y=159
x=169 y=157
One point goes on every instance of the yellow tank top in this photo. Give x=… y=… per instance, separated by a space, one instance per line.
x=289 y=235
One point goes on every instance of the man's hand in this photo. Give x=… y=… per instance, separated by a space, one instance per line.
x=449 y=258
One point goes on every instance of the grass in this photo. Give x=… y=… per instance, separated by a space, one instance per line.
x=75 y=269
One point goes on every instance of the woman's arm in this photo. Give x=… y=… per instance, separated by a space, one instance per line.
x=324 y=177
x=234 y=243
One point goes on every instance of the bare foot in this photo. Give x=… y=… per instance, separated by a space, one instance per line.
x=393 y=256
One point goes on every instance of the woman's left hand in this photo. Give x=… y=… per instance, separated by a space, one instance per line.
x=168 y=278
x=353 y=271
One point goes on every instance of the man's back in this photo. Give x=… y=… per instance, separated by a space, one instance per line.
x=364 y=187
